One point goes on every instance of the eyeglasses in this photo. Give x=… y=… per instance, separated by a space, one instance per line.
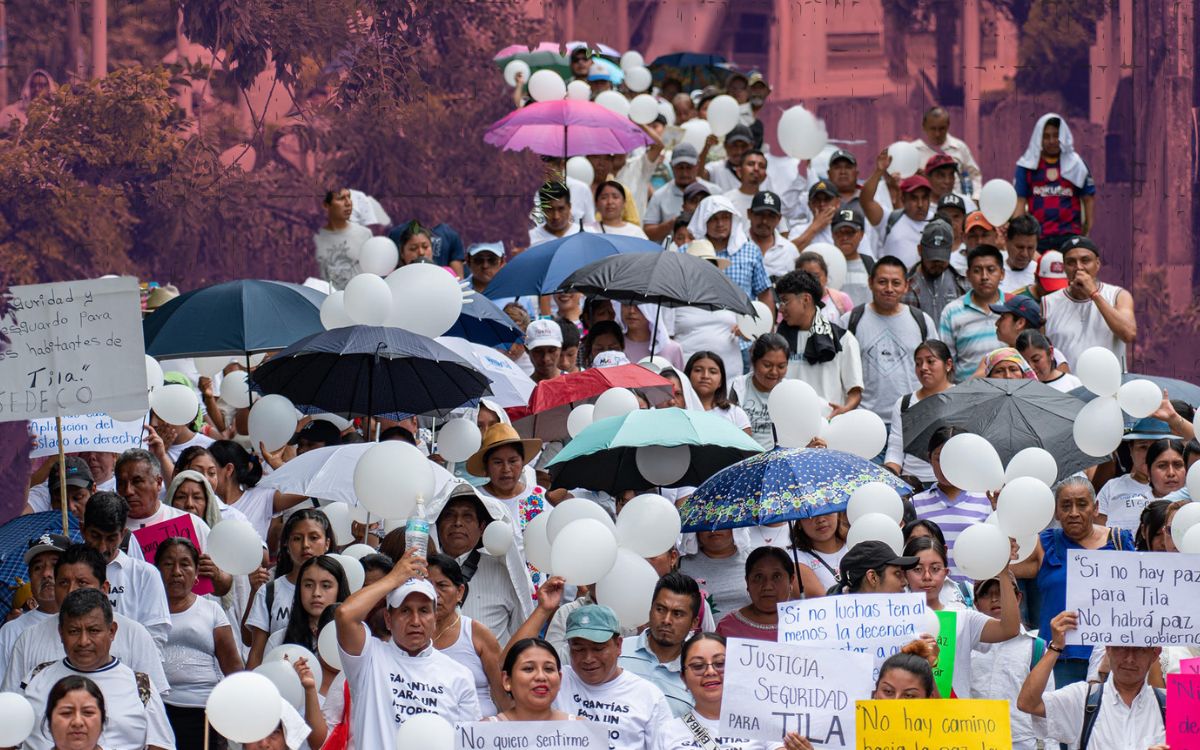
x=698 y=668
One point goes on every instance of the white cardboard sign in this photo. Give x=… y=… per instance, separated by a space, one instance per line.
x=1134 y=598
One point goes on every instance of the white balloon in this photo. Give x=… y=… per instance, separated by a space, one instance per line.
x=272 y=421
x=1025 y=507
x=327 y=646
x=1139 y=398
x=696 y=132
x=1100 y=371
x=1193 y=482
x=981 y=551
x=579 y=418
x=339 y=518
x=859 y=431
x=970 y=463
x=998 y=201
x=235 y=389
x=426 y=731
x=643 y=109
x=753 y=326
x=1187 y=517
x=210 y=366
x=579 y=91
x=615 y=402
x=368 y=300
x=638 y=79
x=1099 y=427
x=291 y=652
x=628 y=589
x=794 y=409
x=333 y=311
x=390 y=476
x=834 y=259
x=355 y=573
x=648 y=525
x=235 y=547
x=378 y=255
x=667 y=110
x=1190 y=544
x=357 y=551
x=574 y=509
x=18 y=718
x=497 y=538
x=154 y=374
x=175 y=404
x=283 y=676
x=1032 y=462
x=614 y=101
x=905 y=159
x=875 y=497
x=537 y=543
x=876 y=527
x=801 y=134
x=426 y=299
x=583 y=552
x=513 y=68
x=458 y=439
x=723 y=114
x=546 y=86
x=130 y=415
x=1026 y=547
x=661 y=465
x=581 y=169
x=632 y=59
x=244 y=707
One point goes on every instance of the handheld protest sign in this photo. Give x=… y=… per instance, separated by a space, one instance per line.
x=1134 y=598
x=920 y=724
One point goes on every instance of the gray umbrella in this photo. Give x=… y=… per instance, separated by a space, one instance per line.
x=1010 y=414
x=664 y=278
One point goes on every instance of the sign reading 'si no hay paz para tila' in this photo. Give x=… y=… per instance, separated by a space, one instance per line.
x=75 y=348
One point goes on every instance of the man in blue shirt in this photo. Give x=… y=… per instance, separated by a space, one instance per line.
x=654 y=654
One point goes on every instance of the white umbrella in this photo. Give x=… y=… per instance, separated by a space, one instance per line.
x=510 y=385
x=328 y=474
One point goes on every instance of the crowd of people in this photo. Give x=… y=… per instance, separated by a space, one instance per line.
x=119 y=651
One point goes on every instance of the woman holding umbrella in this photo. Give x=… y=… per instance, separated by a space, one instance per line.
x=819 y=543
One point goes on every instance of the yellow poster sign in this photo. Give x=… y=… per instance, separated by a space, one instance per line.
x=933 y=725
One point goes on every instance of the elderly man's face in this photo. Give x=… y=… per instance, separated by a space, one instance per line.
x=139 y=485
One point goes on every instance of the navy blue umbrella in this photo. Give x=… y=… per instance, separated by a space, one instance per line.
x=692 y=69
x=14 y=540
x=237 y=317
x=1176 y=389
x=542 y=268
x=483 y=322
x=369 y=371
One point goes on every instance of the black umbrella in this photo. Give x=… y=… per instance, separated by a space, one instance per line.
x=371 y=371
x=1010 y=414
x=663 y=278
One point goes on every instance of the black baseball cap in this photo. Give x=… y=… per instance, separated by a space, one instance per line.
x=821 y=186
x=950 y=200
x=1079 y=241
x=842 y=153
x=1023 y=307
x=870 y=555
x=78 y=474
x=696 y=188
x=936 y=240
x=740 y=133
x=46 y=543
x=849 y=217
x=318 y=431
x=767 y=201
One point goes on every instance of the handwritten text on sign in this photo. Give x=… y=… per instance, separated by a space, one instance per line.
x=76 y=349
x=90 y=432
x=875 y=624
x=1183 y=712
x=931 y=725
x=788 y=688
x=1134 y=598
x=519 y=735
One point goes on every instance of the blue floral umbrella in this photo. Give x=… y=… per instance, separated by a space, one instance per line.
x=784 y=484
x=14 y=540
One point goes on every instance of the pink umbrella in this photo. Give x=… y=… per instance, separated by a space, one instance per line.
x=566 y=128
x=509 y=51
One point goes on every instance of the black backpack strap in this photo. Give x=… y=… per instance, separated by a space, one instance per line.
x=905 y=402
x=855 y=316
x=270 y=596
x=1091 y=709
x=920 y=318
x=868 y=263
x=471 y=565
x=892 y=218
x=1160 y=695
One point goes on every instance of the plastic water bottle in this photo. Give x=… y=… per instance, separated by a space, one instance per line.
x=416 y=532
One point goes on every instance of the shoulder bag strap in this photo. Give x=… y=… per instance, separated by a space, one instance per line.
x=703 y=737
x=1091 y=709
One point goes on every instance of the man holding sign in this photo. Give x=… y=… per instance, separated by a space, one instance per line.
x=1122 y=713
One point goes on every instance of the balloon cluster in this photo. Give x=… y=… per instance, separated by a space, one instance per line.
x=422 y=298
x=1099 y=426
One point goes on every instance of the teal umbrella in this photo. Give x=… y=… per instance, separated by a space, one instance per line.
x=603 y=456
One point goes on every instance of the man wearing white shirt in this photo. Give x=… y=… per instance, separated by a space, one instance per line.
x=1020 y=240
x=779 y=255
x=135 y=588
x=936 y=127
x=41 y=557
x=399 y=678
x=725 y=174
x=667 y=202
x=558 y=220
x=753 y=175
x=140 y=482
x=595 y=687
x=81 y=567
x=135 y=717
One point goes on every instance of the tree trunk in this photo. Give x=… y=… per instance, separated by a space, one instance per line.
x=99 y=38
x=75 y=70
x=945 y=40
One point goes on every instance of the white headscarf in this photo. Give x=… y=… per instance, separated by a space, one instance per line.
x=1069 y=163
x=659 y=334
x=739 y=234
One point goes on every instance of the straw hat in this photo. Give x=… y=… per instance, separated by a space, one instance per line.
x=496 y=436
x=704 y=250
x=161 y=295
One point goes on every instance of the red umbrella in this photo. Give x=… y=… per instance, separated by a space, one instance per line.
x=552 y=400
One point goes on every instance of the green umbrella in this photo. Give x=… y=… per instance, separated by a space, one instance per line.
x=540 y=60
x=603 y=456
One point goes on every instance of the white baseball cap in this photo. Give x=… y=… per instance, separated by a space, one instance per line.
x=543 y=332
x=412 y=586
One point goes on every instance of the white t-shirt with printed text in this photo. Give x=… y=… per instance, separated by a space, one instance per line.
x=632 y=708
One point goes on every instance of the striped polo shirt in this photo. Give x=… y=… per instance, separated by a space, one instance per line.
x=970 y=332
x=952 y=516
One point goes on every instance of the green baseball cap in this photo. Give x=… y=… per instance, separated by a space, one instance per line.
x=593 y=622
